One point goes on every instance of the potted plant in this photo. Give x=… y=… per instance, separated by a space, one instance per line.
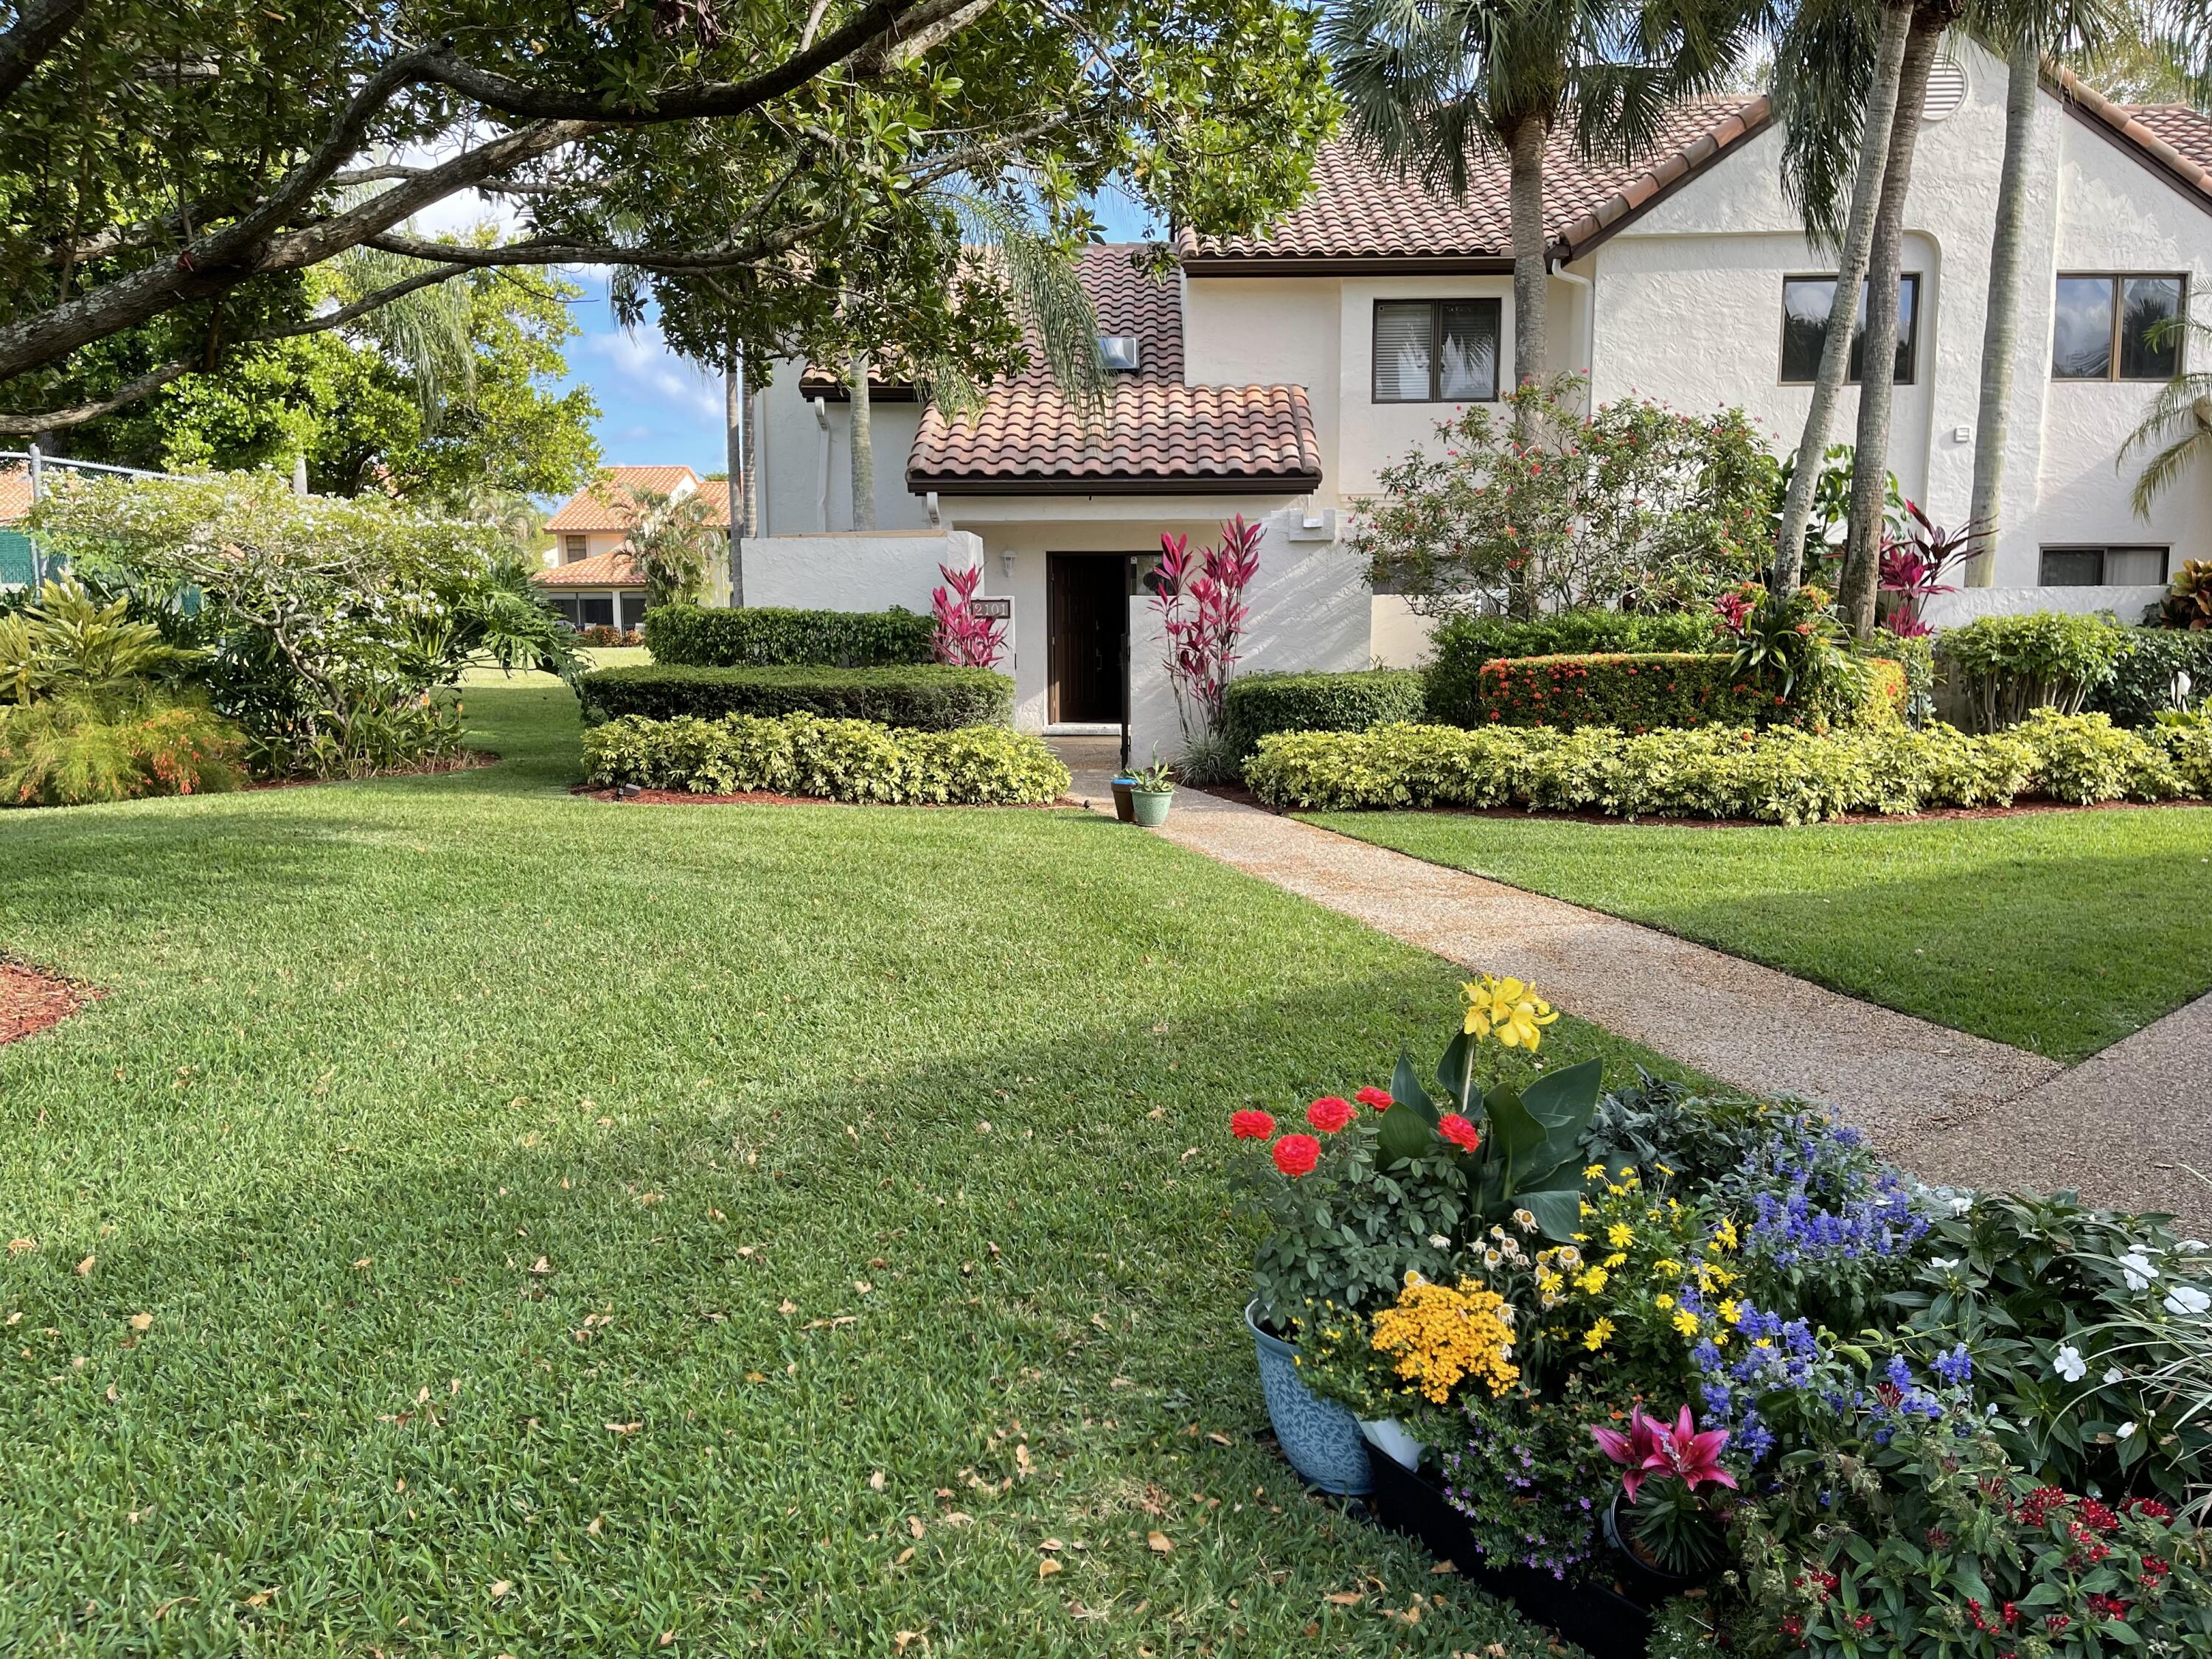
x=1125 y=806
x=1152 y=788
x=1671 y=1535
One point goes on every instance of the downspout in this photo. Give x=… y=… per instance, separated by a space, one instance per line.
x=1589 y=322
x=822 y=467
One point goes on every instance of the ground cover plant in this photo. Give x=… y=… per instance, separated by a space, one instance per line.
x=827 y=1260
x=834 y=759
x=2054 y=932
x=1740 y=1354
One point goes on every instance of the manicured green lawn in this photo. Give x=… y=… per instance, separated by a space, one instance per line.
x=557 y=1224
x=2061 y=932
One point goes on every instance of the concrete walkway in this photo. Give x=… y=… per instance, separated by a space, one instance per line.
x=2125 y=1128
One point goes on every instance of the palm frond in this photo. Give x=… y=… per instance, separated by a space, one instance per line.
x=1047 y=299
x=428 y=333
x=1823 y=73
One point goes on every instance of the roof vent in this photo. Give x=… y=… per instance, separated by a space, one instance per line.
x=1946 y=89
x=1121 y=353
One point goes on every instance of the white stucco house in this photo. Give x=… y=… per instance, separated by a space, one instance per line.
x=587 y=573
x=1275 y=375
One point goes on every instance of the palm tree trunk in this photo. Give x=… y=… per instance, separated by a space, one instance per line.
x=1525 y=147
x=864 y=448
x=1843 y=313
x=1878 y=354
x=733 y=420
x=1999 y=332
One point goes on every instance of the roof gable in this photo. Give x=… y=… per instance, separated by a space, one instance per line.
x=609 y=502
x=2172 y=140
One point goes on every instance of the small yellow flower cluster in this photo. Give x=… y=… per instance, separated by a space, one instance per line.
x=1439 y=1335
x=1506 y=1010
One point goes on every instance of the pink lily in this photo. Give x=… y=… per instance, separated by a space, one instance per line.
x=1650 y=1447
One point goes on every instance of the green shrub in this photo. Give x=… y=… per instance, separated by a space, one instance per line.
x=2009 y=667
x=2141 y=683
x=769 y=637
x=1782 y=776
x=1462 y=644
x=1257 y=704
x=81 y=746
x=839 y=759
x=1649 y=691
x=925 y=698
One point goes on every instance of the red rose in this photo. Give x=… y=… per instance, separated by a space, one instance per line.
x=1378 y=1098
x=1295 y=1155
x=1458 y=1131
x=1251 y=1126
x=1329 y=1114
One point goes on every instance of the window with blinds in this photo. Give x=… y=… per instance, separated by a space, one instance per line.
x=1431 y=351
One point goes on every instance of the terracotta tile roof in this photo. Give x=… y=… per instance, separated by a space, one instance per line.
x=2172 y=139
x=1158 y=433
x=615 y=569
x=608 y=503
x=1360 y=209
x=14 y=495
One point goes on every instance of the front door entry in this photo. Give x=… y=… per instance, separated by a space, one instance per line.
x=1089 y=601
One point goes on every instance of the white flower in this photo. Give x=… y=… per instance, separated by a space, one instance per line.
x=1524 y=1220
x=2193 y=1247
x=1491 y=1258
x=2135 y=1267
x=1960 y=1205
x=1943 y=1264
x=2126 y=1431
x=1438 y=1242
x=2187 y=1299
x=2115 y=1375
x=2068 y=1363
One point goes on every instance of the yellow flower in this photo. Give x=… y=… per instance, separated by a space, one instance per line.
x=1685 y=1322
x=1614 y=1260
x=1663 y=1301
x=1593 y=1172
x=1439 y=1335
x=1507 y=1009
x=1591 y=1281
x=1621 y=1234
x=1732 y=1312
x=1724 y=1235
x=1666 y=1265
x=1596 y=1336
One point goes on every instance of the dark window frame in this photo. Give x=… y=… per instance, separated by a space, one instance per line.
x=1436 y=346
x=574 y=546
x=1908 y=340
x=2111 y=376
x=2103 y=551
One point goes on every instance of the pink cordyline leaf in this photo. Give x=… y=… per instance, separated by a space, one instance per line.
x=961 y=636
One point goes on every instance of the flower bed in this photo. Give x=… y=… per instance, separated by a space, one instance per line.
x=1650 y=1342
x=1776 y=777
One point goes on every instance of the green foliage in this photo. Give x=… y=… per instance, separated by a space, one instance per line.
x=1634 y=505
x=672 y=539
x=1792 y=646
x=1777 y=776
x=82 y=745
x=65 y=639
x=1256 y=704
x=326 y=625
x=2143 y=678
x=926 y=696
x=2008 y=666
x=847 y=760
x=1649 y=690
x=1462 y=644
x=770 y=637
x=2188 y=603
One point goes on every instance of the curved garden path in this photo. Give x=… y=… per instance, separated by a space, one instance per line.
x=2126 y=1128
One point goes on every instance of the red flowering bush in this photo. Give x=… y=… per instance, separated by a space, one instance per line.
x=1295 y=1155
x=1330 y=1113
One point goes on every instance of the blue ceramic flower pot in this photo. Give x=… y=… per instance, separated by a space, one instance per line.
x=1321 y=1440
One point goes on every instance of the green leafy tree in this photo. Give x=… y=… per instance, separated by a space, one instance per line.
x=740 y=157
x=672 y=539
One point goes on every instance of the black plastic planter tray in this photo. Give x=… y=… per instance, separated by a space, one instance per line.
x=1593 y=1615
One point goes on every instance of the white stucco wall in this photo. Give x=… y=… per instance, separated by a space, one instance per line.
x=790 y=457
x=851 y=572
x=1950 y=610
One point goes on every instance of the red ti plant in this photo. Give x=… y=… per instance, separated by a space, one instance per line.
x=1673 y=1472
x=964 y=637
x=1200 y=601
x=1914 y=564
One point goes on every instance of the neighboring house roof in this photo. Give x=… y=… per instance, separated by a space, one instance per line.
x=1158 y=433
x=610 y=503
x=14 y=495
x=616 y=569
x=1361 y=212
x=2172 y=139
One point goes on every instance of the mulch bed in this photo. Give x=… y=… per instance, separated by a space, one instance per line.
x=30 y=1000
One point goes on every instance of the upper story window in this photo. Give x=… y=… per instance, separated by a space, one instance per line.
x=574 y=548
x=1436 y=351
x=2107 y=328
x=1806 y=301
x=2104 y=567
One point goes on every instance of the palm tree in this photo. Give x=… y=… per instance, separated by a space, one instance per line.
x=1815 y=99
x=2026 y=32
x=2177 y=429
x=1431 y=83
x=671 y=539
x=864 y=446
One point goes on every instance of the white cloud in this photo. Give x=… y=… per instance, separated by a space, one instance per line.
x=640 y=360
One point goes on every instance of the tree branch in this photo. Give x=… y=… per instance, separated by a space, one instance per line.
x=53 y=420
x=40 y=27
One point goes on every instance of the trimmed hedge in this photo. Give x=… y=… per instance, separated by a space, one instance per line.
x=1781 y=775
x=1644 y=691
x=1463 y=644
x=766 y=637
x=839 y=760
x=2141 y=685
x=925 y=698
x=1260 y=703
x=2009 y=667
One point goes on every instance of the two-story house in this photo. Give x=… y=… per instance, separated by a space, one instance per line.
x=589 y=576
x=1275 y=375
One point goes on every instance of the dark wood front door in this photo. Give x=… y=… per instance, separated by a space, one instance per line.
x=1089 y=599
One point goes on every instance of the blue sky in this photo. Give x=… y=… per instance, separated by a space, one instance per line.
x=658 y=408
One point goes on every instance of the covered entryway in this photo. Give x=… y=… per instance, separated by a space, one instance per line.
x=1088 y=599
